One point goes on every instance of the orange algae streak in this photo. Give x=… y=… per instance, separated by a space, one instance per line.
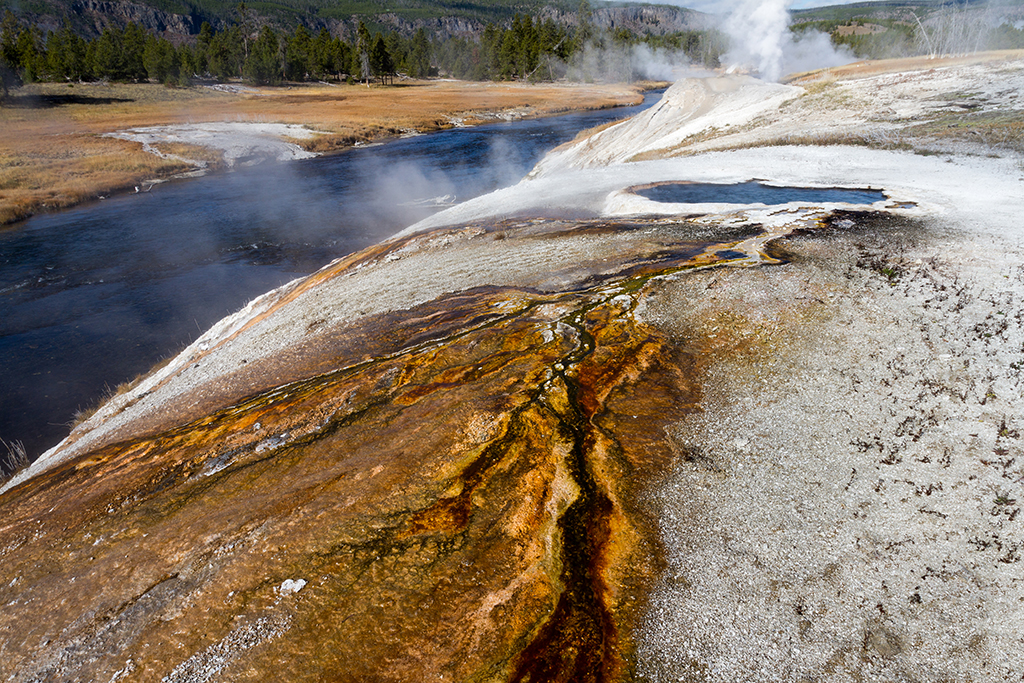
x=452 y=493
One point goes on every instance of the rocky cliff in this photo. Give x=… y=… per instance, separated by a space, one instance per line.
x=89 y=18
x=566 y=433
x=641 y=19
x=180 y=21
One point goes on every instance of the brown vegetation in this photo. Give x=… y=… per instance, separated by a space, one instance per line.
x=860 y=29
x=213 y=158
x=53 y=155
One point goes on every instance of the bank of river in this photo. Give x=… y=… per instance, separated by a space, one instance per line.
x=93 y=296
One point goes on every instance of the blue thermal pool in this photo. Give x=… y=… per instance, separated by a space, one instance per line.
x=753 y=192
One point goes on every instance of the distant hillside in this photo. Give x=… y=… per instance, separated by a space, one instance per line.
x=894 y=29
x=178 y=19
x=900 y=8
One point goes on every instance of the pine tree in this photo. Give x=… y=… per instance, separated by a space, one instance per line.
x=507 y=55
x=204 y=46
x=8 y=65
x=134 y=47
x=246 y=25
x=31 y=55
x=297 y=55
x=527 y=47
x=339 y=57
x=226 y=55
x=398 y=49
x=419 y=57
x=188 y=65
x=106 y=55
x=65 y=56
x=161 y=60
x=585 y=30
x=263 y=66
x=361 y=57
x=320 y=61
x=381 y=63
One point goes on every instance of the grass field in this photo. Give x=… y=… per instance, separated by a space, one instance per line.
x=53 y=155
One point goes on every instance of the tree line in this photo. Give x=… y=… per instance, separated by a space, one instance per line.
x=262 y=57
x=524 y=49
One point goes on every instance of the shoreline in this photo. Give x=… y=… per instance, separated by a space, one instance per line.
x=65 y=146
x=301 y=147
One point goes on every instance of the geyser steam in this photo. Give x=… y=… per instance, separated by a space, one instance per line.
x=761 y=40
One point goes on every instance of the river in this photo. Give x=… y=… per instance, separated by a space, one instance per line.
x=93 y=296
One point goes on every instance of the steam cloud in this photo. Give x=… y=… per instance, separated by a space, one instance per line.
x=761 y=40
x=628 y=63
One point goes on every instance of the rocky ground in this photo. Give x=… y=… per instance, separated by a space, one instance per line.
x=848 y=504
x=564 y=432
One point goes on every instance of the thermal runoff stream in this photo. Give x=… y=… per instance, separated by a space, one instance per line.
x=572 y=429
x=94 y=296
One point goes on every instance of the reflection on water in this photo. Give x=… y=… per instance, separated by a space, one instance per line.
x=93 y=296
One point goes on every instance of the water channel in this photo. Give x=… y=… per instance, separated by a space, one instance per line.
x=93 y=296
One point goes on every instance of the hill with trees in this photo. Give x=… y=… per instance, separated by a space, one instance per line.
x=255 y=50
x=879 y=30
x=178 y=20
x=269 y=42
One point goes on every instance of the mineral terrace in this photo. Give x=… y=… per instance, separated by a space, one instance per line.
x=566 y=433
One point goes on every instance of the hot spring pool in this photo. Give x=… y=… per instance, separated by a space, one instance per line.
x=753 y=193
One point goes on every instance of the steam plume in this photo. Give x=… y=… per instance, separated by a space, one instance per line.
x=613 y=63
x=761 y=41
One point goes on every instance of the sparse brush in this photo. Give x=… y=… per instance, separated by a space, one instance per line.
x=819 y=86
x=14 y=461
x=211 y=157
x=876 y=139
x=583 y=134
x=85 y=413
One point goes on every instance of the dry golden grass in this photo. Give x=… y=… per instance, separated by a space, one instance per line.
x=589 y=132
x=53 y=155
x=996 y=130
x=213 y=158
x=84 y=414
x=52 y=172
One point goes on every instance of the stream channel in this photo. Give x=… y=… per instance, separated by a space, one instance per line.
x=93 y=296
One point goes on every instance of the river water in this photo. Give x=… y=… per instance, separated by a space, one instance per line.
x=93 y=296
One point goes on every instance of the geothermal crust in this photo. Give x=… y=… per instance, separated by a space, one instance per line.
x=644 y=441
x=241 y=142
